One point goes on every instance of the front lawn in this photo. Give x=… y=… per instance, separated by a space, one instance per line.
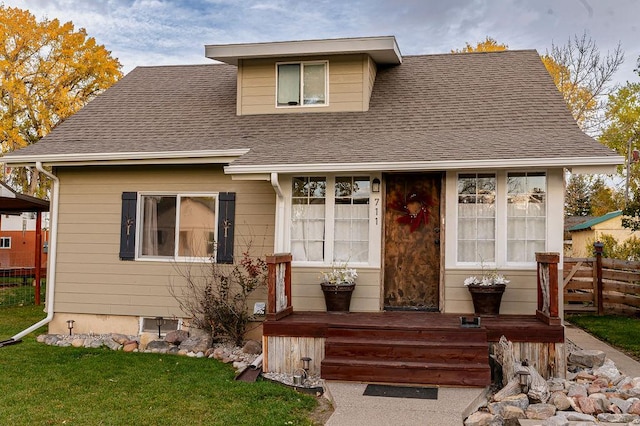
x=77 y=386
x=619 y=331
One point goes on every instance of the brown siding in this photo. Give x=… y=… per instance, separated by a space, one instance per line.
x=90 y=276
x=350 y=83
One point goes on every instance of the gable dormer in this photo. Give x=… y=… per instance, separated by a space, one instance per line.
x=306 y=76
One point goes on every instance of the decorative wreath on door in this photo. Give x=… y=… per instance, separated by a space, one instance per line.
x=414 y=210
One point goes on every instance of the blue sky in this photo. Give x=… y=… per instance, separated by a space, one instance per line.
x=158 y=32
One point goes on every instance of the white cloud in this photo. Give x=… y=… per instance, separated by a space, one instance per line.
x=148 y=32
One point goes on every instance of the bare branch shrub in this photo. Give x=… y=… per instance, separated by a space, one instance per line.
x=215 y=295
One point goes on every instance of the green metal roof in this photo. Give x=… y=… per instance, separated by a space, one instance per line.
x=589 y=223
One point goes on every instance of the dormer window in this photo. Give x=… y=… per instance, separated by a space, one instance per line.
x=301 y=83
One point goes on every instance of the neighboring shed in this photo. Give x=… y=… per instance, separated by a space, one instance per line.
x=583 y=234
x=13 y=203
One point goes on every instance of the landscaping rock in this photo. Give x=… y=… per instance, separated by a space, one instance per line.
x=176 y=337
x=576 y=417
x=481 y=418
x=587 y=358
x=634 y=408
x=520 y=401
x=540 y=411
x=252 y=347
x=556 y=421
x=577 y=389
x=616 y=418
x=77 y=343
x=111 y=344
x=196 y=343
x=607 y=370
x=511 y=415
x=560 y=400
x=130 y=346
x=145 y=338
x=158 y=346
x=121 y=339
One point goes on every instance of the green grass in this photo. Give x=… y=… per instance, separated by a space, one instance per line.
x=44 y=385
x=619 y=331
x=18 y=294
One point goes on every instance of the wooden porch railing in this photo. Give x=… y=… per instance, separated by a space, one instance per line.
x=279 y=286
x=548 y=288
x=601 y=285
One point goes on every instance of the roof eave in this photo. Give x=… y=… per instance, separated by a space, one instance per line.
x=595 y=164
x=225 y=156
x=383 y=50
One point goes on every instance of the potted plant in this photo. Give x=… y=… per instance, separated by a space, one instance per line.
x=486 y=292
x=337 y=286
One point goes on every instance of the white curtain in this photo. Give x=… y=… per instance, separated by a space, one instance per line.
x=150 y=226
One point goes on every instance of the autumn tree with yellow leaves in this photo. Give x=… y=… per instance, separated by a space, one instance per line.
x=48 y=72
x=579 y=71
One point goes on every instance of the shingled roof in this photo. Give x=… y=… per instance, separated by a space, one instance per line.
x=431 y=110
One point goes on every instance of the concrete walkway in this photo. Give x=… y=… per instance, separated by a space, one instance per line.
x=453 y=404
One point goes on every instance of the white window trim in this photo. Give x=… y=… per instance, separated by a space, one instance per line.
x=3 y=246
x=175 y=258
x=501 y=218
x=375 y=226
x=302 y=65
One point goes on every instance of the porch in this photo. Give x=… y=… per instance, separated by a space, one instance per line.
x=408 y=347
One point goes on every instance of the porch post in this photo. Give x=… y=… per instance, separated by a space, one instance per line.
x=548 y=288
x=38 y=256
x=279 y=286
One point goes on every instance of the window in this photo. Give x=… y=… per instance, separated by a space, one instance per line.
x=476 y=217
x=351 y=219
x=526 y=216
x=330 y=225
x=302 y=83
x=308 y=218
x=5 y=242
x=177 y=226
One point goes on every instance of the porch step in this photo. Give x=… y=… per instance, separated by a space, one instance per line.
x=439 y=355
x=443 y=374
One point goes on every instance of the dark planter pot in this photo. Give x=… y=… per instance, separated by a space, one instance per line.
x=486 y=298
x=337 y=297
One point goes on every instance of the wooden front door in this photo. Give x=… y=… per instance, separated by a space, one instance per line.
x=412 y=242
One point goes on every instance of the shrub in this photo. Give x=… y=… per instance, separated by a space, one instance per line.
x=215 y=295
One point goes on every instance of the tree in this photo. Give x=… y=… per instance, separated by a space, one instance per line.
x=623 y=130
x=48 y=72
x=603 y=198
x=583 y=76
x=488 y=45
x=577 y=196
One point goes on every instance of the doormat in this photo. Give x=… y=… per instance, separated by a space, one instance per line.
x=401 y=392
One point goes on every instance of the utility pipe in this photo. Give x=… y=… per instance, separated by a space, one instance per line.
x=53 y=244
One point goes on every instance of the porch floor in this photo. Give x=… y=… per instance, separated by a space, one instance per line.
x=516 y=328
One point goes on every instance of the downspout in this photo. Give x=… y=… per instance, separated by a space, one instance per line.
x=51 y=266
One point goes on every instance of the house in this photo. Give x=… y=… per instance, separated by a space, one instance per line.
x=416 y=170
x=584 y=234
x=23 y=248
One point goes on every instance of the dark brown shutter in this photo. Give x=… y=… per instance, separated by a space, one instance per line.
x=128 y=226
x=226 y=225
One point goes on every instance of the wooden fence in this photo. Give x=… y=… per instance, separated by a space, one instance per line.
x=601 y=285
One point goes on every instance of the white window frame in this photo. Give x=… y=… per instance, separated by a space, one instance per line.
x=375 y=222
x=302 y=65
x=501 y=220
x=178 y=195
x=5 y=243
x=546 y=214
x=495 y=218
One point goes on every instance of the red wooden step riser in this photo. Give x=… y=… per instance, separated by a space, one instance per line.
x=422 y=354
x=458 y=377
x=464 y=336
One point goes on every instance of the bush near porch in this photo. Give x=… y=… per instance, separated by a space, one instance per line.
x=51 y=385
